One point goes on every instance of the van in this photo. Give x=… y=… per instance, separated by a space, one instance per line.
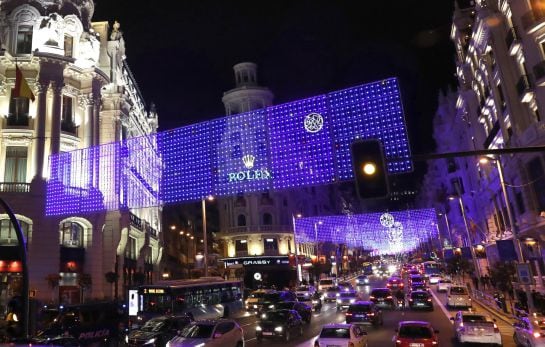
x=458 y=296
x=326 y=283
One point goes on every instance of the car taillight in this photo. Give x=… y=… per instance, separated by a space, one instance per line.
x=370 y=314
x=348 y=314
x=411 y=300
x=434 y=342
x=389 y=297
x=371 y=297
x=536 y=334
x=429 y=300
x=496 y=330
x=398 y=342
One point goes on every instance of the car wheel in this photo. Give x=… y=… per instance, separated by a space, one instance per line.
x=287 y=336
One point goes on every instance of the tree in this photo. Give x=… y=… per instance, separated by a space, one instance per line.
x=85 y=281
x=112 y=277
x=459 y=265
x=502 y=275
x=53 y=280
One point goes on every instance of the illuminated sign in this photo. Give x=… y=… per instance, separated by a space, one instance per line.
x=154 y=291
x=252 y=261
x=300 y=143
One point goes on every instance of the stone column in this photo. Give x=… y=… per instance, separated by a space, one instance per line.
x=89 y=107
x=56 y=86
x=41 y=117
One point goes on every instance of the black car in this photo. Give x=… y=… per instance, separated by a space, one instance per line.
x=364 y=312
x=420 y=299
x=271 y=299
x=158 y=331
x=383 y=297
x=279 y=324
x=304 y=310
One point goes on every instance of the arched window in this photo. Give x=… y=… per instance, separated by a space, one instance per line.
x=241 y=220
x=71 y=234
x=267 y=219
x=7 y=232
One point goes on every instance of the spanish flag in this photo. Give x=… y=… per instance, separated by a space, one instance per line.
x=22 y=89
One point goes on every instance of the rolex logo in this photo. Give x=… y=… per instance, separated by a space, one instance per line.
x=248 y=161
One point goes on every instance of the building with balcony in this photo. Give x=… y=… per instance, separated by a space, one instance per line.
x=500 y=103
x=85 y=95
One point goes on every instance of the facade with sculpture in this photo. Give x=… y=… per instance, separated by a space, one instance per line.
x=85 y=95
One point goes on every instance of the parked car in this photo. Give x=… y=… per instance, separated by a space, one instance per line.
x=416 y=333
x=157 y=331
x=208 y=333
x=470 y=327
x=364 y=312
x=279 y=324
x=420 y=299
x=443 y=284
x=362 y=280
x=530 y=331
x=458 y=296
x=383 y=297
x=304 y=310
x=342 y=335
x=331 y=294
x=345 y=299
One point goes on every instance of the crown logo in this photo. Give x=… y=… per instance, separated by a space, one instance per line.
x=248 y=161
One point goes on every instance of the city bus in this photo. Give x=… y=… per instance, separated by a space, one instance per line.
x=431 y=268
x=201 y=298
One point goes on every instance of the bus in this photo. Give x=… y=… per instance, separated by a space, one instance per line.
x=201 y=298
x=431 y=268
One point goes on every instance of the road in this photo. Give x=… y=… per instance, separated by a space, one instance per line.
x=380 y=336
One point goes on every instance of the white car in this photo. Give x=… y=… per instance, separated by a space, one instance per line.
x=256 y=298
x=472 y=327
x=326 y=283
x=458 y=296
x=530 y=332
x=434 y=279
x=442 y=285
x=304 y=293
x=341 y=335
x=209 y=333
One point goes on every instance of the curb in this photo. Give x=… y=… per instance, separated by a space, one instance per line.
x=493 y=312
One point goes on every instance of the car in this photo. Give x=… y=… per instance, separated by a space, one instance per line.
x=218 y=332
x=314 y=301
x=417 y=279
x=530 y=331
x=341 y=335
x=256 y=298
x=362 y=280
x=443 y=284
x=383 y=297
x=434 y=278
x=304 y=310
x=331 y=294
x=364 y=312
x=415 y=333
x=271 y=299
x=419 y=286
x=345 y=286
x=470 y=327
x=420 y=299
x=326 y=283
x=345 y=299
x=458 y=296
x=304 y=292
x=157 y=331
x=395 y=283
x=279 y=324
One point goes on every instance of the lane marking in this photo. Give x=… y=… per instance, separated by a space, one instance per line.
x=443 y=308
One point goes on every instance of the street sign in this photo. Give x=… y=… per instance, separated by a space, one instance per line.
x=524 y=273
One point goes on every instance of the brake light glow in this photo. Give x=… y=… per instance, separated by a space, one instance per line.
x=496 y=330
x=371 y=297
x=349 y=314
x=536 y=334
x=429 y=300
x=389 y=297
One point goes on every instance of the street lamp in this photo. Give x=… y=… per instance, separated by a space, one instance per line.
x=316 y=237
x=297 y=266
x=468 y=235
x=205 y=238
x=448 y=228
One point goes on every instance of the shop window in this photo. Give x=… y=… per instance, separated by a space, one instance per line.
x=241 y=245
x=8 y=235
x=270 y=244
x=16 y=162
x=267 y=219
x=24 y=40
x=241 y=220
x=72 y=234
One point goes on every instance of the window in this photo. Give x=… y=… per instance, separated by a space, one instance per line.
x=535 y=173
x=68 y=46
x=67 y=118
x=16 y=160
x=267 y=219
x=7 y=232
x=72 y=234
x=270 y=244
x=241 y=246
x=241 y=220
x=130 y=249
x=24 y=40
x=18 y=110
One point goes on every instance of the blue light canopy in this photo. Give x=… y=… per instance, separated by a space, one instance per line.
x=301 y=143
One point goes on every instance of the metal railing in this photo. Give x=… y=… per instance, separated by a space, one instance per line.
x=492 y=303
x=14 y=187
x=259 y=228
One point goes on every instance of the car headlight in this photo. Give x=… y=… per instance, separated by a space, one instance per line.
x=352 y=300
x=258 y=328
x=339 y=301
x=127 y=339
x=366 y=280
x=337 y=294
x=315 y=302
x=306 y=294
x=279 y=329
x=150 y=341
x=271 y=306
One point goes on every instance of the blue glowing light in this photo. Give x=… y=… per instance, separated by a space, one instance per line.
x=301 y=143
x=409 y=229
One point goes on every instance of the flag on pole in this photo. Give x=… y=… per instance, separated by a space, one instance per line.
x=22 y=89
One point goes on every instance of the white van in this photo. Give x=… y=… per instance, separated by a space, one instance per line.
x=458 y=296
x=326 y=283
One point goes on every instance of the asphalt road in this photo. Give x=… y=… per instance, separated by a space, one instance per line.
x=379 y=336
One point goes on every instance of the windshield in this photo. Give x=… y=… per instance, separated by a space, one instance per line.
x=337 y=333
x=458 y=291
x=419 y=295
x=473 y=318
x=417 y=332
x=359 y=308
x=333 y=289
x=198 y=331
x=302 y=289
x=347 y=295
x=381 y=292
x=154 y=325
x=276 y=316
x=326 y=282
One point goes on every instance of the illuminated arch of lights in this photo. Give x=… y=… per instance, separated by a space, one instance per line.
x=301 y=143
x=410 y=229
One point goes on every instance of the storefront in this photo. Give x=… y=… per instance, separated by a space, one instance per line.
x=266 y=271
x=11 y=278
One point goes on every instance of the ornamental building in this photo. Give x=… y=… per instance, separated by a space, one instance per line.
x=84 y=95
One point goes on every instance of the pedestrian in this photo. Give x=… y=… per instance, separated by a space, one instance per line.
x=483 y=284
x=487 y=281
x=475 y=282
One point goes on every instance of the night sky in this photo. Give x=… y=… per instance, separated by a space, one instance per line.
x=182 y=52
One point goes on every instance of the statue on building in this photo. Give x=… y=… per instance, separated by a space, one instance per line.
x=52 y=28
x=116 y=33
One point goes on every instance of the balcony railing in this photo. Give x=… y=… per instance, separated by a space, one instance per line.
x=135 y=221
x=14 y=187
x=260 y=228
x=531 y=19
x=151 y=231
x=512 y=41
x=14 y=120
x=524 y=88
x=69 y=128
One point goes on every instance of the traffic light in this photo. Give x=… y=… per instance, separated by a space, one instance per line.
x=370 y=169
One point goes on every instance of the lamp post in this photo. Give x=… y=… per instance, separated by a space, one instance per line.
x=316 y=237
x=468 y=235
x=448 y=228
x=297 y=266
x=204 y=233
